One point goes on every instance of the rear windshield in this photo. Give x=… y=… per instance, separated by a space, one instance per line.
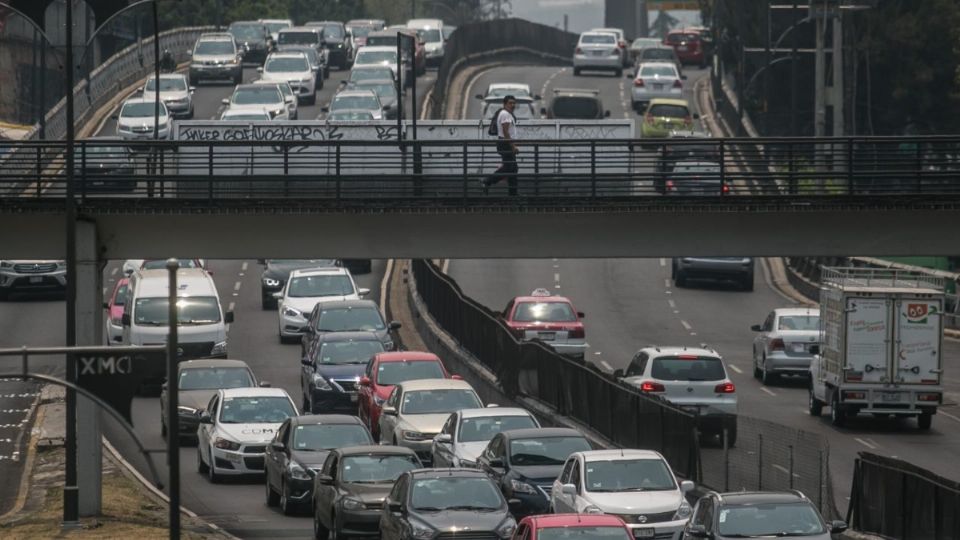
x=430 y=36
x=695 y=368
x=370 y=73
x=376 y=57
x=580 y=533
x=677 y=38
x=215 y=47
x=657 y=54
x=672 y=111
x=292 y=38
x=360 y=31
x=545 y=312
x=663 y=71
x=576 y=107
x=799 y=322
x=389 y=373
x=287 y=64
x=603 y=39
x=212 y=378
x=381 y=41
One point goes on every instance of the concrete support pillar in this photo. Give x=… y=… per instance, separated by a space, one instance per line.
x=89 y=332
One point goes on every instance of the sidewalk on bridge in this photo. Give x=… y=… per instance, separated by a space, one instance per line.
x=129 y=510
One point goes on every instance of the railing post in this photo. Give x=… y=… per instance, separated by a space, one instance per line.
x=465 y=178
x=790 y=473
x=210 y=172
x=723 y=168
x=726 y=460
x=919 y=158
x=791 y=170
x=337 y=171
x=162 y=174
x=417 y=168
x=286 y=169
x=850 y=181
x=536 y=169
x=759 y=461
x=39 y=171
x=83 y=170
x=593 y=169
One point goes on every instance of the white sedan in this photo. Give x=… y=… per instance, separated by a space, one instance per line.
x=259 y=97
x=137 y=117
x=293 y=68
x=305 y=289
x=236 y=428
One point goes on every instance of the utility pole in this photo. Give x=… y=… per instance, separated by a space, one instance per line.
x=71 y=496
x=819 y=82
x=794 y=70
x=836 y=98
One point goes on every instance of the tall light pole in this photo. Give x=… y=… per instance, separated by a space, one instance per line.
x=71 y=498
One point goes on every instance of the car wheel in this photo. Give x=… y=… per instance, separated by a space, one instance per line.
x=766 y=377
x=679 y=279
x=747 y=283
x=285 y=505
x=838 y=416
x=576 y=72
x=814 y=405
x=272 y=498
x=201 y=466
x=319 y=531
x=924 y=421
x=212 y=471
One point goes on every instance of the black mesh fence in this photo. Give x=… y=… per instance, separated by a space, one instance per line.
x=895 y=499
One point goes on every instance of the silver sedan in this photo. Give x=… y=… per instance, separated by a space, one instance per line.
x=782 y=345
x=655 y=80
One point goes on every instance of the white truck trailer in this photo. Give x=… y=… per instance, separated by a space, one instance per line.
x=881 y=335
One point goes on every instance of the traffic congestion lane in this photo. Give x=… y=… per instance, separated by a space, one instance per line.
x=238 y=503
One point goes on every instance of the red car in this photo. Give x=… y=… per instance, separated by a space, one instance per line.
x=689 y=45
x=114 y=307
x=387 y=369
x=551 y=319
x=558 y=527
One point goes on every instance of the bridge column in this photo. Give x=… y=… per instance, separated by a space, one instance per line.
x=89 y=310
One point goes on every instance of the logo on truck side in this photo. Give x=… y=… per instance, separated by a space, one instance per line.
x=917 y=313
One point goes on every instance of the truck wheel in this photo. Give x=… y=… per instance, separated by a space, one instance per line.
x=838 y=416
x=924 y=421
x=813 y=404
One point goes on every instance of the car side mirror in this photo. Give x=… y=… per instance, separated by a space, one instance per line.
x=396 y=507
x=363 y=291
x=264 y=384
x=756 y=328
x=114 y=116
x=606 y=114
x=389 y=411
x=815 y=350
x=395 y=325
x=260 y=69
x=140 y=89
x=838 y=526
x=687 y=486
x=364 y=381
x=106 y=305
x=325 y=479
x=698 y=531
x=192 y=89
x=225 y=101
x=443 y=438
x=306 y=362
x=568 y=489
x=228 y=317
x=205 y=418
x=277 y=295
x=125 y=319
x=189 y=53
x=495 y=463
x=277 y=446
x=581 y=314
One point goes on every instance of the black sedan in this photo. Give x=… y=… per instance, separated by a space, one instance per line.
x=350 y=488
x=346 y=316
x=299 y=449
x=525 y=462
x=425 y=502
x=277 y=271
x=104 y=164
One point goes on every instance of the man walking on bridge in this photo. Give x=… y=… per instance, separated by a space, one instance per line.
x=505 y=127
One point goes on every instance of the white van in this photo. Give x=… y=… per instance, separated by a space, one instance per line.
x=431 y=31
x=202 y=322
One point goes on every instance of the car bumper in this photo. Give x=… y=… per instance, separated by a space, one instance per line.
x=299 y=492
x=142 y=136
x=178 y=108
x=599 y=62
x=641 y=95
x=291 y=326
x=334 y=402
x=530 y=505
x=785 y=364
x=215 y=72
x=47 y=282
x=669 y=530
x=359 y=522
x=569 y=348
x=226 y=462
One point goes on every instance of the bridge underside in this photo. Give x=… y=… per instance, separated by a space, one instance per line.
x=500 y=228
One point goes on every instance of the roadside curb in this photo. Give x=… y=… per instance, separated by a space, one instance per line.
x=23 y=492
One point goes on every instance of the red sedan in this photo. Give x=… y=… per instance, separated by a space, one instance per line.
x=561 y=526
x=551 y=319
x=388 y=369
x=689 y=45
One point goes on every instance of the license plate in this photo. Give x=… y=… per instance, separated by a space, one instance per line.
x=799 y=348
x=547 y=336
x=353 y=398
x=890 y=397
x=235 y=458
x=644 y=533
x=598 y=53
x=36 y=279
x=682 y=48
x=658 y=87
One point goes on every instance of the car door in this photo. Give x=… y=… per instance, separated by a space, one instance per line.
x=388 y=423
x=307 y=369
x=325 y=494
x=366 y=395
x=558 y=500
x=391 y=522
x=203 y=432
x=443 y=452
x=760 y=342
x=273 y=464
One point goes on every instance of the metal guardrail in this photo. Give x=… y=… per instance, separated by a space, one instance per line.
x=572 y=170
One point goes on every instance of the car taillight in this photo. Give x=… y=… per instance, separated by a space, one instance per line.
x=623 y=44
x=725 y=189
x=650 y=386
x=725 y=388
x=579 y=50
x=854 y=395
x=639 y=83
x=928 y=396
x=776 y=344
x=576 y=332
x=670 y=186
x=677 y=84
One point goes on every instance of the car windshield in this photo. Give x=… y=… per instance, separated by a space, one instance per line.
x=218 y=47
x=775 y=519
x=160 y=264
x=503 y=91
x=657 y=54
x=576 y=107
x=121 y=297
x=332 y=31
x=348 y=352
x=212 y=378
x=313 y=437
x=265 y=95
x=298 y=63
x=544 y=312
x=276 y=26
x=298 y=38
x=371 y=73
x=696 y=168
x=245 y=115
x=350 y=319
x=384 y=91
x=355 y=102
x=376 y=57
x=360 y=31
x=381 y=41
x=640 y=43
x=439 y=401
x=693 y=368
x=483 y=428
x=347 y=116
x=247 y=32
x=104 y=153
x=376 y=469
x=545 y=450
x=190 y=310
x=677 y=38
x=671 y=111
x=580 y=533
x=455 y=493
x=430 y=35
x=256 y=410
x=142 y=109
x=598 y=39
x=171 y=84
x=629 y=475
x=390 y=373
x=799 y=322
x=662 y=71
x=313 y=286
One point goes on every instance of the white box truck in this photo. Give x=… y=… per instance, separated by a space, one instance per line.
x=881 y=335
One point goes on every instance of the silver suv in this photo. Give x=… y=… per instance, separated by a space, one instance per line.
x=693 y=378
x=736 y=269
x=216 y=56
x=32 y=276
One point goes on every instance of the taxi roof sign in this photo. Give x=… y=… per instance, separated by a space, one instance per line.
x=541 y=292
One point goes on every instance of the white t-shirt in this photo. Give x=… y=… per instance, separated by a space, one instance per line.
x=506 y=118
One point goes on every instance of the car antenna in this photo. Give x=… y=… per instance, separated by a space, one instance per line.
x=621 y=451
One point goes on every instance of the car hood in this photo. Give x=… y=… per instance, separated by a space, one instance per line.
x=538 y=473
x=258 y=106
x=368 y=493
x=284 y=76
x=145 y=121
x=305 y=304
x=424 y=423
x=465 y=520
x=225 y=58
x=310 y=460
x=471 y=450
x=196 y=399
x=249 y=433
x=633 y=502
x=341 y=371
x=168 y=96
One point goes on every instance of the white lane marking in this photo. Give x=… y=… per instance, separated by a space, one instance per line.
x=236 y=286
x=663 y=262
x=546 y=83
x=668 y=292
x=948 y=415
x=243 y=267
x=383 y=286
x=556 y=277
x=666 y=282
x=735 y=368
x=672 y=303
x=446 y=266
x=556 y=266
x=693 y=333
x=231 y=306
x=865 y=443
x=607 y=366
x=785 y=470
x=686 y=325
x=768 y=391
x=114 y=271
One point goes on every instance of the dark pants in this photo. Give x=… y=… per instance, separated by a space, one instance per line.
x=508 y=167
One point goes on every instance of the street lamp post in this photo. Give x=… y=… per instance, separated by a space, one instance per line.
x=71 y=498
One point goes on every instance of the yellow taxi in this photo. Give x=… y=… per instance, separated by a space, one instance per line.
x=665 y=115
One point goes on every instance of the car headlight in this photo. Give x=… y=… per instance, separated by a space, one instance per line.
x=592 y=510
x=61 y=265
x=6 y=264
x=320 y=383
x=522 y=487
x=226 y=444
x=290 y=312
x=420 y=531
x=219 y=348
x=349 y=503
x=271 y=282
x=414 y=435
x=298 y=473
x=379 y=401
x=505 y=530
x=188 y=411
x=232 y=62
x=467 y=464
x=388 y=345
x=683 y=512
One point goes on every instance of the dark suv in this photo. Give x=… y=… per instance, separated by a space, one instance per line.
x=338 y=42
x=758 y=515
x=253 y=39
x=736 y=269
x=581 y=104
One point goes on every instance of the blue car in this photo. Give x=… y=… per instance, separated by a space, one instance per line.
x=331 y=371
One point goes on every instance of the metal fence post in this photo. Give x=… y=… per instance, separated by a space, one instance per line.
x=465 y=175
x=850 y=186
x=162 y=174
x=337 y=173
x=593 y=168
x=536 y=169
x=760 y=461
x=210 y=172
x=723 y=167
x=790 y=448
x=726 y=460
x=83 y=170
x=39 y=171
x=286 y=169
x=791 y=170
x=820 y=482
x=919 y=166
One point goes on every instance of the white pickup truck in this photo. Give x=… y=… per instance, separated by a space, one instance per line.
x=881 y=335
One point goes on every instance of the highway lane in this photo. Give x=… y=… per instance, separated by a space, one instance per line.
x=630 y=303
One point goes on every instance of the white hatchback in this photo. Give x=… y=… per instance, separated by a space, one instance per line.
x=307 y=288
x=293 y=68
